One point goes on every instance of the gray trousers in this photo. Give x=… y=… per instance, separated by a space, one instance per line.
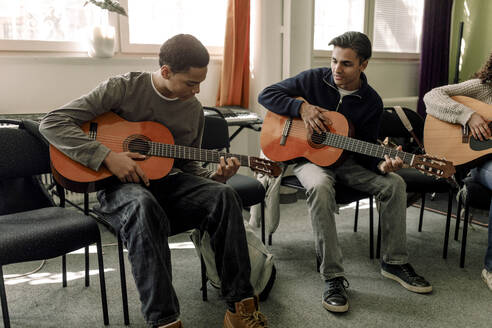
x=390 y=192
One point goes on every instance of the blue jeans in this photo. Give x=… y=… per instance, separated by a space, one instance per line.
x=483 y=174
x=390 y=191
x=145 y=217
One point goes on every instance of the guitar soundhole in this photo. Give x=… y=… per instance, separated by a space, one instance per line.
x=318 y=138
x=137 y=144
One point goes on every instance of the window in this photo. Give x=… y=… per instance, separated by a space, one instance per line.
x=63 y=25
x=398 y=25
x=392 y=26
x=46 y=24
x=334 y=17
x=151 y=22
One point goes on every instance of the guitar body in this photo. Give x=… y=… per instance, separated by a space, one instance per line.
x=445 y=140
x=298 y=144
x=148 y=138
x=117 y=134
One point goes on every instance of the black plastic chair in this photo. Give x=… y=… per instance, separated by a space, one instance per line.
x=393 y=128
x=343 y=195
x=101 y=219
x=474 y=195
x=250 y=190
x=35 y=228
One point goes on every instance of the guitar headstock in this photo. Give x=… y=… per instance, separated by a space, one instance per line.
x=433 y=166
x=265 y=166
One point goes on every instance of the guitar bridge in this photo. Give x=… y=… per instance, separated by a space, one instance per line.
x=465 y=134
x=93 y=130
x=285 y=132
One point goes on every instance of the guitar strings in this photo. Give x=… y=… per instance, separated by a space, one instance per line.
x=298 y=129
x=140 y=144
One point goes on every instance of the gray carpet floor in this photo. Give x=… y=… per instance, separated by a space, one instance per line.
x=459 y=299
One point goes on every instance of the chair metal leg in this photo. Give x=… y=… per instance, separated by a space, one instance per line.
x=86 y=212
x=3 y=299
x=263 y=222
x=356 y=218
x=378 y=241
x=64 y=270
x=371 y=228
x=448 y=223
x=204 y=278
x=102 y=283
x=270 y=239
x=422 y=206
x=124 y=295
x=87 y=278
x=61 y=195
x=463 y=237
x=458 y=219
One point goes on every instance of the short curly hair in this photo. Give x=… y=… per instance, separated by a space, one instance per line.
x=183 y=51
x=485 y=73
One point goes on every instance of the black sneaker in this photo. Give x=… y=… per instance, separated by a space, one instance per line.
x=335 y=296
x=406 y=276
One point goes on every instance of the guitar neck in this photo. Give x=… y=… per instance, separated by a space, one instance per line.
x=365 y=148
x=195 y=154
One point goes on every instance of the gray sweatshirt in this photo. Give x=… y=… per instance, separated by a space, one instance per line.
x=440 y=105
x=134 y=97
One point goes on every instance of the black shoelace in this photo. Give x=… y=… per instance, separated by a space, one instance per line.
x=336 y=285
x=409 y=271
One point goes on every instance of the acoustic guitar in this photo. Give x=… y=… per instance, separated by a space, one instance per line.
x=454 y=142
x=148 y=138
x=283 y=139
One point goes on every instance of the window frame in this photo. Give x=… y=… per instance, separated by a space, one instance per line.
x=369 y=14
x=142 y=48
x=41 y=46
x=122 y=42
x=25 y=46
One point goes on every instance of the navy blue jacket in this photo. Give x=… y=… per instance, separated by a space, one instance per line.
x=362 y=108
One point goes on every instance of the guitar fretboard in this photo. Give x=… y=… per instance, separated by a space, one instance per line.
x=196 y=154
x=363 y=147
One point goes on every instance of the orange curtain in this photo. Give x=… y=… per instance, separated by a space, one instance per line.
x=234 y=78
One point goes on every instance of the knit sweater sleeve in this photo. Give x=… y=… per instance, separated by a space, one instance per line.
x=440 y=105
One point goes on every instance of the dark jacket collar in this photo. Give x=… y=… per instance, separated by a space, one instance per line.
x=328 y=79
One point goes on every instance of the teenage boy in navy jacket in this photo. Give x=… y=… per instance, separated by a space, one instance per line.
x=344 y=88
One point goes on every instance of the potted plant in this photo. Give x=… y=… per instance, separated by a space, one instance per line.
x=101 y=37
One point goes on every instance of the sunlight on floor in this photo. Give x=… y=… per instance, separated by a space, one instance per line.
x=183 y=245
x=363 y=205
x=177 y=245
x=40 y=278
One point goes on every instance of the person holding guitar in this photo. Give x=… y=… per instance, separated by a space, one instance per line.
x=439 y=104
x=146 y=212
x=344 y=88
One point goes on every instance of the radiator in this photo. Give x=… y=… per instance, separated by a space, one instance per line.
x=408 y=102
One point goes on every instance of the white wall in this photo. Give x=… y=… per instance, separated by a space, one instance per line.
x=37 y=83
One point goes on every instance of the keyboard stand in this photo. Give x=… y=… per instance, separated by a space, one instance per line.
x=256 y=127
x=229 y=115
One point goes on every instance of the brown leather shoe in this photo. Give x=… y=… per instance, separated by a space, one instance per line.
x=247 y=315
x=175 y=324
